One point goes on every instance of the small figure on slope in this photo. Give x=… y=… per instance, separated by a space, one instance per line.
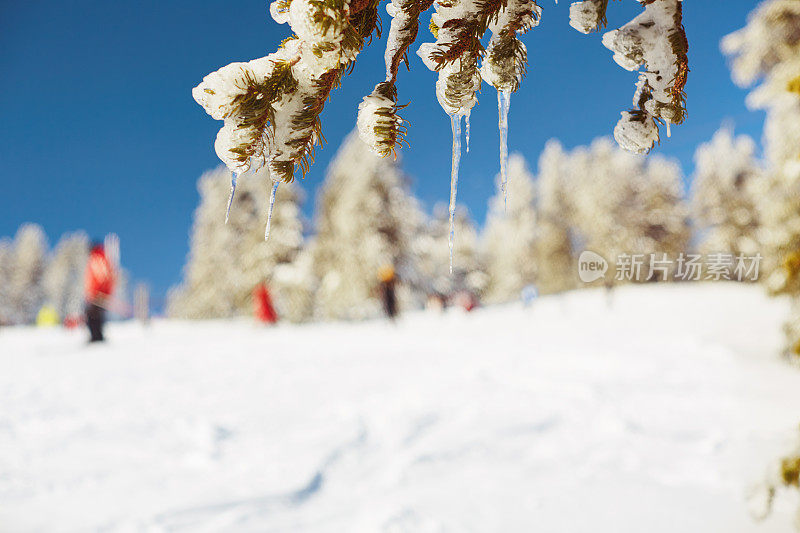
x=388 y=280
x=262 y=304
x=100 y=279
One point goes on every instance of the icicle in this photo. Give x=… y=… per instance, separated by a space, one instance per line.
x=503 y=104
x=466 y=119
x=234 y=177
x=455 y=122
x=669 y=130
x=275 y=184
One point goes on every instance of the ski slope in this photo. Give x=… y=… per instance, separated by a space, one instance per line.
x=655 y=413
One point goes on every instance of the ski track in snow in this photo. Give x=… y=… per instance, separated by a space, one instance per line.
x=656 y=413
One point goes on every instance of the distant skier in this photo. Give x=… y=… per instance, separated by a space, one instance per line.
x=388 y=280
x=100 y=280
x=47 y=317
x=528 y=295
x=262 y=305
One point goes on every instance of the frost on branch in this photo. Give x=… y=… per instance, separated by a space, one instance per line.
x=656 y=41
x=379 y=125
x=588 y=16
x=271 y=106
x=506 y=58
x=458 y=27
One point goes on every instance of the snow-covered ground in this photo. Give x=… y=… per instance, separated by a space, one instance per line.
x=655 y=414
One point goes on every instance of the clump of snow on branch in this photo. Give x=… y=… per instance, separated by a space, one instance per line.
x=271 y=106
x=379 y=124
x=588 y=16
x=656 y=41
x=506 y=57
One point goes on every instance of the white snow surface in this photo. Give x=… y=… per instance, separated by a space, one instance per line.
x=656 y=413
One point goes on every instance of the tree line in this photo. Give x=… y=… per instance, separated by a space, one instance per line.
x=597 y=198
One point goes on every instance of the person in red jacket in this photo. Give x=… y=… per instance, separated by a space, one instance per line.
x=262 y=304
x=100 y=280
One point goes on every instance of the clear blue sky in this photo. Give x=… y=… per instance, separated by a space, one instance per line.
x=100 y=132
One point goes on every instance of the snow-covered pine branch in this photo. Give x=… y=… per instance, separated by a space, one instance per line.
x=271 y=106
x=656 y=41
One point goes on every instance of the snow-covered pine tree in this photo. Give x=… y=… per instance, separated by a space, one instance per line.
x=661 y=220
x=226 y=261
x=627 y=206
x=271 y=106
x=556 y=258
x=365 y=219
x=258 y=261
x=64 y=277
x=208 y=275
x=509 y=239
x=725 y=192
x=6 y=264
x=767 y=50
x=468 y=273
x=27 y=272
x=295 y=285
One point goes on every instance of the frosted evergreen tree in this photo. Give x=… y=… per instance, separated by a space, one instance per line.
x=366 y=219
x=625 y=205
x=269 y=261
x=6 y=264
x=468 y=272
x=271 y=107
x=509 y=240
x=228 y=260
x=295 y=285
x=25 y=282
x=660 y=222
x=767 y=51
x=603 y=175
x=209 y=273
x=64 y=277
x=725 y=193
x=556 y=257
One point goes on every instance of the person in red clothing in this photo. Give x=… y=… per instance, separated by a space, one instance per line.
x=262 y=304
x=100 y=280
